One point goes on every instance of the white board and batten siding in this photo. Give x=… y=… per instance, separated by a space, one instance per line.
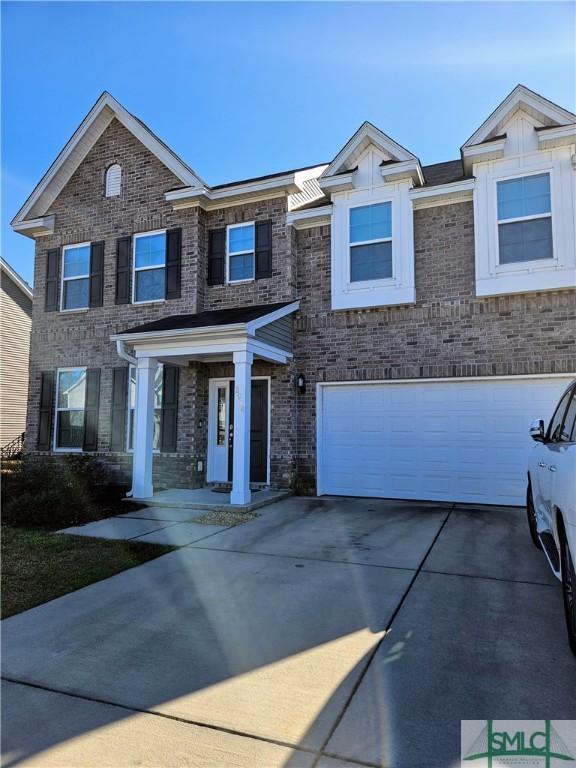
x=459 y=440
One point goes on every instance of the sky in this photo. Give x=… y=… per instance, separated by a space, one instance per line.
x=244 y=89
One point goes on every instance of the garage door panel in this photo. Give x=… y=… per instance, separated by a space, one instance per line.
x=459 y=441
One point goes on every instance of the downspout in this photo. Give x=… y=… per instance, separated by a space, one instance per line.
x=121 y=349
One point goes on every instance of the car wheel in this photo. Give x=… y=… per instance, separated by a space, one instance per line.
x=532 y=522
x=568 y=589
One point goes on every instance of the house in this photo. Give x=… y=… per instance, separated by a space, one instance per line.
x=16 y=312
x=369 y=326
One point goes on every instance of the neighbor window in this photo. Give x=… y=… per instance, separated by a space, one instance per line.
x=150 y=266
x=370 y=241
x=157 y=406
x=70 y=402
x=240 y=248
x=75 y=276
x=524 y=219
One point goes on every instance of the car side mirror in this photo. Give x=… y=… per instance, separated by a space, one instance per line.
x=537 y=431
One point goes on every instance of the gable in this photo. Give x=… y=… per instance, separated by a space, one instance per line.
x=83 y=140
x=536 y=108
x=347 y=159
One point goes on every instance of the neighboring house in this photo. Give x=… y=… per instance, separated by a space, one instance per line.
x=16 y=321
x=369 y=326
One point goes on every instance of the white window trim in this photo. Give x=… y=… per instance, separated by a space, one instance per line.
x=532 y=264
x=382 y=281
x=129 y=408
x=135 y=269
x=57 y=410
x=70 y=279
x=240 y=253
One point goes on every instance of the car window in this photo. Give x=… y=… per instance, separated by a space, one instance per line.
x=568 y=434
x=554 y=430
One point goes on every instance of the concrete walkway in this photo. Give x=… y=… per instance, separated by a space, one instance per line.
x=326 y=633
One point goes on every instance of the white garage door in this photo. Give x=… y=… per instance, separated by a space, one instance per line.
x=456 y=441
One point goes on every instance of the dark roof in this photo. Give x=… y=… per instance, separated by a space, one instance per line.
x=207 y=319
x=267 y=176
x=444 y=173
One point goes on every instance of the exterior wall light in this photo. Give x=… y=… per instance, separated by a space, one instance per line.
x=301 y=383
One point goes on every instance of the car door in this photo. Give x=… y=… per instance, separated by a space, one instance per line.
x=548 y=459
x=563 y=466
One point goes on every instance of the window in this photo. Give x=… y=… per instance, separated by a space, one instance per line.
x=113 y=180
x=240 y=249
x=221 y=417
x=149 y=267
x=75 y=276
x=567 y=433
x=157 y=406
x=370 y=242
x=554 y=430
x=524 y=219
x=70 y=402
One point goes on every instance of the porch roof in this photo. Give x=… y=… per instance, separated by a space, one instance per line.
x=214 y=318
x=262 y=330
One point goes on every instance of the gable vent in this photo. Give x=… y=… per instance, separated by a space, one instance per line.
x=113 y=180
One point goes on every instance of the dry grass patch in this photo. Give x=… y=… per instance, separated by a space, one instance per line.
x=227 y=517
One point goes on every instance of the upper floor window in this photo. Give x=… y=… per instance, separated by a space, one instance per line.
x=113 y=180
x=149 y=283
x=158 y=384
x=524 y=219
x=370 y=242
x=240 y=252
x=70 y=405
x=75 y=276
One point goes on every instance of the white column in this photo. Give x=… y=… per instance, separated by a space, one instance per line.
x=143 y=441
x=242 y=405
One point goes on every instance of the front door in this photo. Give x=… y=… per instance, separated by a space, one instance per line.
x=221 y=431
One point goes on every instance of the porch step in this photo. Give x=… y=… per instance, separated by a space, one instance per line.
x=205 y=498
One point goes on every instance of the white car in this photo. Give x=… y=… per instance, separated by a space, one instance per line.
x=551 y=498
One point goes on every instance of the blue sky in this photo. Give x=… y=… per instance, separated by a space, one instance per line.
x=242 y=89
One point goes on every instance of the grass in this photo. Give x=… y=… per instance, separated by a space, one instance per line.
x=39 y=566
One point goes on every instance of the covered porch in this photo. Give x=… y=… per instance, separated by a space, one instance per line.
x=238 y=337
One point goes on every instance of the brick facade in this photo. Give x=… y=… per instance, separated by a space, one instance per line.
x=448 y=332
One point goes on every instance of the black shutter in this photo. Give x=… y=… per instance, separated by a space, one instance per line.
x=46 y=410
x=263 y=249
x=169 y=423
x=96 y=274
x=119 y=408
x=91 y=408
x=52 y=279
x=216 y=256
x=123 y=268
x=173 y=250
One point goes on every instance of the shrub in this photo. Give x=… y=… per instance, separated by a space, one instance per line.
x=56 y=493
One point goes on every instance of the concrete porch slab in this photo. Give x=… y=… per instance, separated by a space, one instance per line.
x=117 y=528
x=208 y=499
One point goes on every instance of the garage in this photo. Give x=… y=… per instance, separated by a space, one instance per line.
x=456 y=440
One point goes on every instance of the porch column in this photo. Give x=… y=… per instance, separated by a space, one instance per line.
x=242 y=404
x=143 y=428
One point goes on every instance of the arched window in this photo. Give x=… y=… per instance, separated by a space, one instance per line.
x=113 y=180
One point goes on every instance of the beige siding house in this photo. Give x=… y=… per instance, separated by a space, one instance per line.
x=16 y=318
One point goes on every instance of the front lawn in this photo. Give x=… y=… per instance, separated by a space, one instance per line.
x=39 y=566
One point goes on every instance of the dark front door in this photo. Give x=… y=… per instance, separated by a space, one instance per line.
x=258 y=432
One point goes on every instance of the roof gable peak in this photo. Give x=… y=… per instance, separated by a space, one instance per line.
x=367 y=134
x=81 y=142
x=521 y=97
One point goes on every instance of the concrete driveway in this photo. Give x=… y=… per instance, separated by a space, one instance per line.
x=328 y=632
